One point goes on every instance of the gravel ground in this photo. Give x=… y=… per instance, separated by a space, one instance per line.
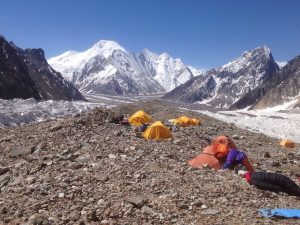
x=84 y=170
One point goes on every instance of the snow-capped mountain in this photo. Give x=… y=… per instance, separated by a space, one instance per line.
x=223 y=86
x=26 y=74
x=281 y=88
x=108 y=68
x=169 y=72
x=281 y=64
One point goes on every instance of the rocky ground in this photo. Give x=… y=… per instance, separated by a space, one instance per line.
x=84 y=170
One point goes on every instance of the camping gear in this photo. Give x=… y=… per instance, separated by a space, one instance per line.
x=185 y=121
x=206 y=159
x=221 y=146
x=281 y=212
x=215 y=155
x=139 y=118
x=273 y=182
x=157 y=131
x=125 y=122
x=196 y=121
x=287 y=143
x=116 y=119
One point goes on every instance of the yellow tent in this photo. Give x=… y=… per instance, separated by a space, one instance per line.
x=287 y=143
x=157 y=131
x=139 y=118
x=196 y=121
x=185 y=121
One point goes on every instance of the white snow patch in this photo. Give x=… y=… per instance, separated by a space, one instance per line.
x=281 y=64
x=274 y=124
x=196 y=71
x=282 y=121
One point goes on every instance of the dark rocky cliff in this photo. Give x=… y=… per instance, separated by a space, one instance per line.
x=281 y=87
x=26 y=74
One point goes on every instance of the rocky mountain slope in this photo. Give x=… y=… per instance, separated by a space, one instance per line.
x=108 y=68
x=26 y=74
x=84 y=170
x=282 y=87
x=223 y=86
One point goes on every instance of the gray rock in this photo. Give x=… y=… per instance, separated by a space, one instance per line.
x=118 y=133
x=84 y=158
x=102 y=178
x=6 y=139
x=22 y=151
x=55 y=127
x=4 y=170
x=183 y=206
x=138 y=202
x=236 y=137
x=37 y=219
x=92 y=216
x=210 y=212
x=112 y=156
x=147 y=210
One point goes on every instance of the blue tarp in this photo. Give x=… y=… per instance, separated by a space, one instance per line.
x=288 y=213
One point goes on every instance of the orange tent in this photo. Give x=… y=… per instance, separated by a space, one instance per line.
x=157 y=131
x=214 y=155
x=206 y=159
x=139 y=118
x=196 y=121
x=287 y=143
x=185 y=121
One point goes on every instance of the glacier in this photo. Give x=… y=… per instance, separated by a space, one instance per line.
x=278 y=122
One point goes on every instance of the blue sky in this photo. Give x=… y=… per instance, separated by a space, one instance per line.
x=203 y=34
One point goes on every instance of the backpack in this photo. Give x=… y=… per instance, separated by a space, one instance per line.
x=221 y=145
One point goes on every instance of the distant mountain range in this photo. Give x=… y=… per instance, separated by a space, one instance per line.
x=26 y=74
x=222 y=87
x=253 y=80
x=282 y=87
x=107 y=68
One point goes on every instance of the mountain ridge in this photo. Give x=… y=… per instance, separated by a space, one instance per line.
x=282 y=87
x=108 y=65
x=221 y=87
x=27 y=74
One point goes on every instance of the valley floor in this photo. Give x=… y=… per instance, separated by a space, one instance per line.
x=278 y=122
x=84 y=170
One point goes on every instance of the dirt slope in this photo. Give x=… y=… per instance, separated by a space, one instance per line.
x=84 y=170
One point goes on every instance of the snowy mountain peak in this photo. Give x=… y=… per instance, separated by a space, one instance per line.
x=165 y=56
x=105 y=48
x=281 y=64
x=247 y=58
x=107 y=45
x=69 y=53
x=146 y=52
x=110 y=69
x=264 y=50
x=222 y=87
x=267 y=49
